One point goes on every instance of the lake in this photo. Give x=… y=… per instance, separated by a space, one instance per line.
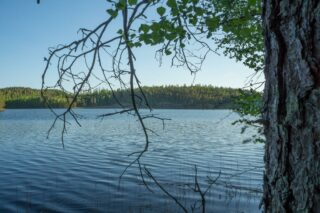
x=39 y=175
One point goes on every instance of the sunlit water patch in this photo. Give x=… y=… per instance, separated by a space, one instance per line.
x=38 y=175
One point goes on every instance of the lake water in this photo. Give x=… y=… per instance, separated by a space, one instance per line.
x=38 y=175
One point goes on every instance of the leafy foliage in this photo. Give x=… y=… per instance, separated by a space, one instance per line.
x=233 y=26
x=241 y=23
x=249 y=103
x=249 y=107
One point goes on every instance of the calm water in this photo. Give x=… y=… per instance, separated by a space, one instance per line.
x=38 y=175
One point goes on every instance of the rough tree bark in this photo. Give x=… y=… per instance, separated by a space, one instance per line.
x=292 y=105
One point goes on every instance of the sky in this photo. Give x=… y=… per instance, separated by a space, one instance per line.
x=29 y=29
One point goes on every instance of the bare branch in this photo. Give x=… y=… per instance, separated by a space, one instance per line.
x=164 y=190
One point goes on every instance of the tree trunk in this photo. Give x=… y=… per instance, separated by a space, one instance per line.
x=292 y=105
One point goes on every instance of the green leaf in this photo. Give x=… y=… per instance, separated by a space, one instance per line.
x=199 y=11
x=132 y=36
x=172 y=3
x=132 y=2
x=121 y=5
x=161 y=11
x=144 y=28
x=112 y=13
x=167 y=52
x=138 y=44
x=212 y=23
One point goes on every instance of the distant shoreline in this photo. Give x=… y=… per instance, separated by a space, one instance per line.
x=158 y=97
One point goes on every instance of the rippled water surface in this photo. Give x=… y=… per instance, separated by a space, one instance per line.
x=38 y=175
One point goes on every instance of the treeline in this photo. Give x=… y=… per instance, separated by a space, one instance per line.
x=21 y=97
x=190 y=97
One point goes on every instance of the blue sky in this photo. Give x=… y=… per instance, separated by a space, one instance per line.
x=28 y=29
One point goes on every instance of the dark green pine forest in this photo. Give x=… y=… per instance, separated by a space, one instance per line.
x=187 y=97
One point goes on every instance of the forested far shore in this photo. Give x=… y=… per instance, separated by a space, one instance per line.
x=184 y=97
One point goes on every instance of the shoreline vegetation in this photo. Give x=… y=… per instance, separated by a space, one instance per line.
x=159 y=97
x=2 y=104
